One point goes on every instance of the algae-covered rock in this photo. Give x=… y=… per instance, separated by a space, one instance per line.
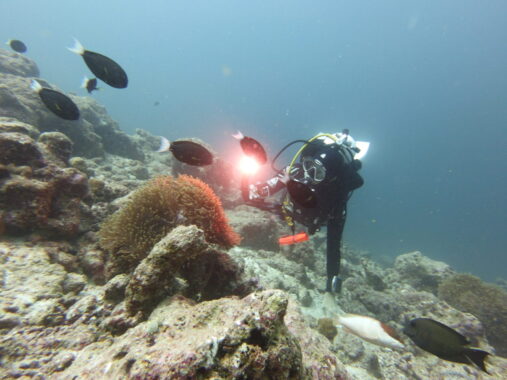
x=19 y=149
x=37 y=192
x=17 y=64
x=92 y=135
x=8 y=124
x=487 y=302
x=222 y=339
x=183 y=262
x=421 y=272
x=58 y=147
x=319 y=360
x=30 y=285
x=47 y=200
x=258 y=229
x=153 y=276
x=114 y=290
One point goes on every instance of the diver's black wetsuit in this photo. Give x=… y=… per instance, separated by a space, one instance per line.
x=332 y=194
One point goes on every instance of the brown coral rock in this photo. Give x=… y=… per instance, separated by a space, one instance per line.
x=222 y=339
x=152 y=277
x=8 y=124
x=19 y=149
x=57 y=146
x=487 y=302
x=17 y=64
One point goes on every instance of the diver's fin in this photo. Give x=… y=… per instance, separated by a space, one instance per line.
x=77 y=47
x=477 y=357
x=363 y=149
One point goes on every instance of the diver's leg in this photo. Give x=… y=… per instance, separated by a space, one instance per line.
x=335 y=227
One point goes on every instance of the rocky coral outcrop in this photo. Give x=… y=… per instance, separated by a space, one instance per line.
x=420 y=271
x=273 y=270
x=31 y=285
x=153 y=276
x=180 y=263
x=226 y=338
x=487 y=302
x=112 y=138
x=38 y=193
x=17 y=64
x=56 y=146
x=93 y=134
x=12 y=125
x=258 y=229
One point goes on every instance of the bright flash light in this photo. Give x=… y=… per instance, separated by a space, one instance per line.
x=248 y=165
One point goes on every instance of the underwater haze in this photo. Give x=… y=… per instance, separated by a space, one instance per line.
x=424 y=81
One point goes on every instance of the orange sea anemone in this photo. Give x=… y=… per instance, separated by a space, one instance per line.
x=153 y=211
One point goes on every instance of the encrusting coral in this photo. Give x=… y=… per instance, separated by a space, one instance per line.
x=155 y=209
x=487 y=302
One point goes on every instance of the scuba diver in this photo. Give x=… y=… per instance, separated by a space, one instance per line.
x=318 y=182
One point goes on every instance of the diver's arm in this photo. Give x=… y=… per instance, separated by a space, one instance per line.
x=335 y=227
x=262 y=190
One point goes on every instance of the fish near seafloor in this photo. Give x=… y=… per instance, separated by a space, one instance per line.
x=17 y=45
x=61 y=105
x=444 y=342
x=371 y=330
x=251 y=148
x=90 y=84
x=103 y=67
x=188 y=152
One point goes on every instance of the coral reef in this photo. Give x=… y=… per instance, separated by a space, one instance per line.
x=17 y=64
x=152 y=278
x=421 y=272
x=38 y=193
x=368 y=289
x=93 y=134
x=173 y=303
x=226 y=338
x=153 y=211
x=258 y=229
x=487 y=302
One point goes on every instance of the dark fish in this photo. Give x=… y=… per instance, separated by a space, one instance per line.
x=302 y=194
x=251 y=148
x=61 y=105
x=89 y=84
x=186 y=151
x=156 y=103
x=17 y=46
x=103 y=67
x=444 y=342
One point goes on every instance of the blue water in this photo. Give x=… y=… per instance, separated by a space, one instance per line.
x=424 y=81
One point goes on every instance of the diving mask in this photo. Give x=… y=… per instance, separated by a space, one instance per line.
x=314 y=170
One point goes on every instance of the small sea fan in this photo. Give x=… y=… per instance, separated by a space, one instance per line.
x=153 y=211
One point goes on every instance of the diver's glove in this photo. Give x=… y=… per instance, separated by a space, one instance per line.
x=334 y=285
